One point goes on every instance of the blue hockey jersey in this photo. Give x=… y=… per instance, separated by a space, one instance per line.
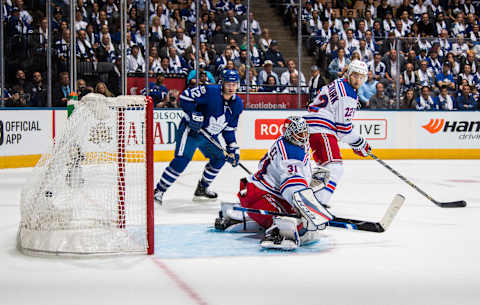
x=220 y=116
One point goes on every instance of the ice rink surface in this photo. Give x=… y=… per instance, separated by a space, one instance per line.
x=428 y=256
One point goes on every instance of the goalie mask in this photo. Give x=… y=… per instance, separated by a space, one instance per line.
x=296 y=131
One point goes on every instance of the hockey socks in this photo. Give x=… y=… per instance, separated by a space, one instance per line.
x=169 y=176
x=209 y=174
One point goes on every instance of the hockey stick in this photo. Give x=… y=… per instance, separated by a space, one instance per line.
x=347 y=223
x=214 y=142
x=450 y=204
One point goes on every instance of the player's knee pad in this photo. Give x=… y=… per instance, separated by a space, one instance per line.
x=336 y=170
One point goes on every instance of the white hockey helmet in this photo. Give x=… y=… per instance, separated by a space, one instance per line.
x=358 y=66
x=296 y=130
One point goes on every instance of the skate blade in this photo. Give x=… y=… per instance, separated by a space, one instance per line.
x=285 y=245
x=203 y=199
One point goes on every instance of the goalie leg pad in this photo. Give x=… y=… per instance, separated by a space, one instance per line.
x=311 y=209
x=228 y=211
x=282 y=235
x=287 y=233
x=235 y=221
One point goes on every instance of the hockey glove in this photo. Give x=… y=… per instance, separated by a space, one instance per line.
x=361 y=147
x=320 y=176
x=233 y=154
x=196 y=122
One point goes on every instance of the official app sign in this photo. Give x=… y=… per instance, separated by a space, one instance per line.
x=25 y=131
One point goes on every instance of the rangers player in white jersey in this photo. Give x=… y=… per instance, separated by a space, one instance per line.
x=284 y=170
x=330 y=120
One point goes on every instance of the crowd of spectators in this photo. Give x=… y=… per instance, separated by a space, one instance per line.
x=171 y=34
x=428 y=48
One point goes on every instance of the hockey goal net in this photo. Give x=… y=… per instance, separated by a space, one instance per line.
x=92 y=193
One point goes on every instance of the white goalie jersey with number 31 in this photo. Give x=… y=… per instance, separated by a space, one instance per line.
x=332 y=111
x=284 y=169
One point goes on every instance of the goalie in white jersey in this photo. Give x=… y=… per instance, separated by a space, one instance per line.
x=284 y=170
x=330 y=120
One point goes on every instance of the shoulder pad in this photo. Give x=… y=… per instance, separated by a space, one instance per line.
x=237 y=103
x=346 y=89
x=290 y=151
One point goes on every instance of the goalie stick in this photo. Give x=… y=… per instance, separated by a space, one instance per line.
x=347 y=223
x=450 y=204
x=214 y=142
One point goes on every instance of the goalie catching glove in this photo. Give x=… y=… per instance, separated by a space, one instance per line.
x=361 y=147
x=232 y=154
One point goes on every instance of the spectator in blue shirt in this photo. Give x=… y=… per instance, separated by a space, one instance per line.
x=240 y=9
x=444 y=100
x=158 y=91
x=425 y=100
x=465 y=100
x=445 y=78
x=6 y=97
x=368 y=89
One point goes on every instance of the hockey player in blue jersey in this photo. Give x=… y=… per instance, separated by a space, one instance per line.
x=214 y=109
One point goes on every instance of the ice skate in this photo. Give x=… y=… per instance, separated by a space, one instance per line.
x=158 y=196
x=202 y=193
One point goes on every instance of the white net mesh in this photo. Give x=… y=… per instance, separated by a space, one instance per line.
x=88 y=194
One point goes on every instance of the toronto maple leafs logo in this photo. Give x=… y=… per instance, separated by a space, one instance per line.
x=216 y=125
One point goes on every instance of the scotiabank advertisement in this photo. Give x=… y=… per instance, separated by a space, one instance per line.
x=272 y=101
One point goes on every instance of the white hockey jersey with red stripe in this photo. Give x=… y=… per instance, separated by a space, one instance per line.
x=332 y=111
x=284 y=169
